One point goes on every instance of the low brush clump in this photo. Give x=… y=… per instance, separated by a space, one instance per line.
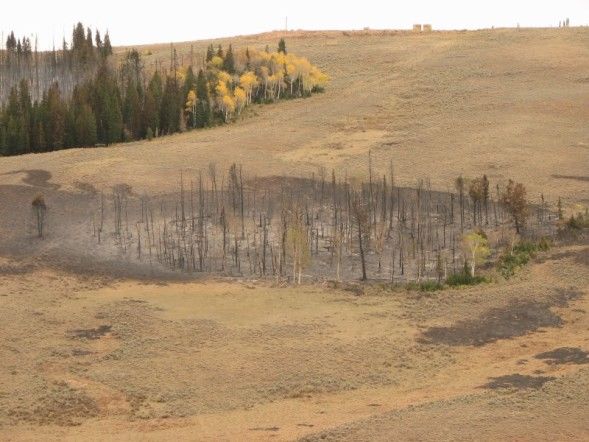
x=464 y=278
x=515 y=257
x=579 y=222
x=519 y=255
x=425 y=286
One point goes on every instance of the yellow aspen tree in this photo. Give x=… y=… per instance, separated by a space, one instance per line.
x=279 y=82
x=297 y=238
x=318 y=78
x=248 y=81
x=264 y=57
x=278 y=60
x=221 y=88
x=305 y=74
x=265 y=74
x=292 y=74
x=180 y=74
x=240 y=99
x=191 y=102
x=476 y=247
x=228 y=106
x=217 y=62
x=272 y=81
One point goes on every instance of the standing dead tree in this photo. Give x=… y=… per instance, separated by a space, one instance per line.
x=327 y=228
x=460 y=188
x=360 y=210
x=297 y=238
x=476 y=191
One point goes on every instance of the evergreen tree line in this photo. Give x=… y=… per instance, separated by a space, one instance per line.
x=126 y=103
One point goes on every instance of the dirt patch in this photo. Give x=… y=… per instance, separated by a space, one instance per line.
x=518 y=381
x=565 y=355
x=516 y=319
x=90 y=333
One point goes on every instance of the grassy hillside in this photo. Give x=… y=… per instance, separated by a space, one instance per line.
x=508 y=103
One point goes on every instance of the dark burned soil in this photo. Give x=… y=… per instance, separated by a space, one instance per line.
x=91 y=333
x=516 y=319
x=565 y=355
x=518 y=381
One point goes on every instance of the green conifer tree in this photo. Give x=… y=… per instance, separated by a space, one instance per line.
x=152 y=105
x=171 y=107
x=210 y=52
x=203 y=109
x=282 y=46
x=229 y=61
x=107 y=106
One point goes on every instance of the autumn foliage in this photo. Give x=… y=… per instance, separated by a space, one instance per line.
x=251 y=76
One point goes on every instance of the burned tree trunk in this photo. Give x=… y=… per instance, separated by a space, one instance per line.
x=361 y=217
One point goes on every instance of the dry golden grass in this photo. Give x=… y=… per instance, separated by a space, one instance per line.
x=84 y=359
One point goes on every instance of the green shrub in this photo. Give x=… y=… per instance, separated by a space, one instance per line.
x=544 y=244
x=430 y=286
x=526 y=248
x=519 y=256
x=425 y=286
x=464 y=278
x=509 y=262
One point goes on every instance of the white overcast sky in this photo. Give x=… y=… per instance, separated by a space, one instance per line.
x=131 y=22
